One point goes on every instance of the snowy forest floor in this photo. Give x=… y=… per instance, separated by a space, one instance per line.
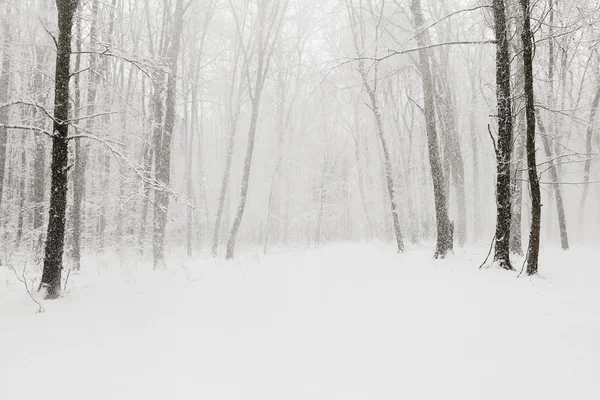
x=344 y=322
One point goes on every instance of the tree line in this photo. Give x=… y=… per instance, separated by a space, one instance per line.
x=147 y=126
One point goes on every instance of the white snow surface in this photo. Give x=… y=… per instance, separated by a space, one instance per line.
x=348 y=321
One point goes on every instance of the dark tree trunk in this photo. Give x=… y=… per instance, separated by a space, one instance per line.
x=58 y=194
x=534 y=185
x=444 y=227
x=504 y=142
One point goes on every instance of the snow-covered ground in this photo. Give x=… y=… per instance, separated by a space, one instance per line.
x=343 y=322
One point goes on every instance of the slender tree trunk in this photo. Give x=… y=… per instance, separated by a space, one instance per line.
x=453 y=154
x=270 y=205
x=266 y=39
x=80 y=151
x=39 y=161
x=476 y=201
x=163 y=153
x=21 y=203
x=147 y=163
x=224 y=184
x=361 y=184
x=105 y=157
x=387 y=167
x=444 y=227
x=560 y=209
x=504 y=142
x=246 y=176
x=4 y=90
x=234 y=109
x=516 y=237
x=588 y=156
x=51 y=276
x=189 y=188
x=536 y=205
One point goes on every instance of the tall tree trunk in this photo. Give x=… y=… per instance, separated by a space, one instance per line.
x=270 y=205
x=51 y=276
x=4 y=89
x=246 y=175
x=534 y=185
x=224 y=184
x=444 y=227
x=516 y=237
x=560 y=209
x=266 y=38
x=504 y=142
x=163 y=153
x=371 y=89
x=39 y=161
x=80 y=150
x=588 y=156
x=451 y=140
x=105 y=157
x=476 y=201
x=235 y=107
x=21 y=203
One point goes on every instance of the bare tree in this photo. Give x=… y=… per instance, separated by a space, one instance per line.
x=534 y=185
x=370 y=84
x=53 y=256
x=269 y=20
x=163 y=151
x=505 y=141
x=234 y=107
x=444 y=226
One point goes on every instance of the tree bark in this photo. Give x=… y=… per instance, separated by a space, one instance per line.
x=534 y=185
x=163 y=153
x=444 y=227
x=505 y=140
x=51 y=276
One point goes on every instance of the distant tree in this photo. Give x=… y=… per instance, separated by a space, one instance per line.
x=4 y=90
x=370 y=83
x=267 y=28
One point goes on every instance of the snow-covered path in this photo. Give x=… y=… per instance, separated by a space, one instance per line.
x=344 y=322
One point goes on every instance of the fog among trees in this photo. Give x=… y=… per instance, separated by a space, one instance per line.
x=145 y=128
